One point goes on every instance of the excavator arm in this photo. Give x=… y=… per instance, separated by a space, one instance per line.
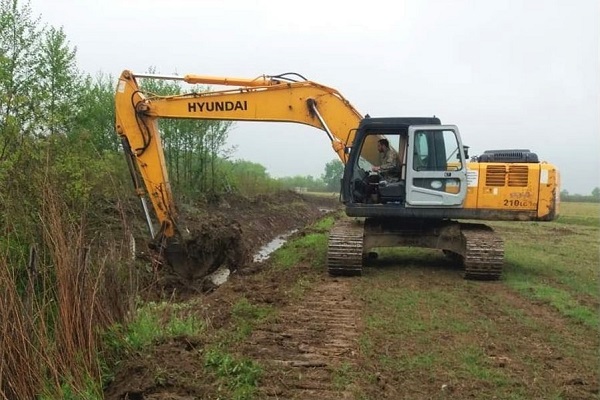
x=266 y=98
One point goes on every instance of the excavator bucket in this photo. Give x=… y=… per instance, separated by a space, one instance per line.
x=210 y=245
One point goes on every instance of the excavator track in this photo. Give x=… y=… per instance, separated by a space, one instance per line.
x=345 y=248
x=484 y=253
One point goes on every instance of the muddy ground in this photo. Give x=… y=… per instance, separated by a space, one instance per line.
x=227 y=234
x=233 y=232
x=310 y=347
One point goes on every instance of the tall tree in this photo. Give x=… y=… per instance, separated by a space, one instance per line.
x=215 y=146
x=19 y=41
x=58 y=78
x=334 y=170
x=96 y=112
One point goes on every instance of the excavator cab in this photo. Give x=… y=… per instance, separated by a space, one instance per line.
x=430 y=170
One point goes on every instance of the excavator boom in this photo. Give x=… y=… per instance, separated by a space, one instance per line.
x=260 y=99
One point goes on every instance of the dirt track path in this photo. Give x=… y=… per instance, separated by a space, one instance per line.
x=306 y=349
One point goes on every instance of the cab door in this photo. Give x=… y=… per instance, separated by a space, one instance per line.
x=436 y=170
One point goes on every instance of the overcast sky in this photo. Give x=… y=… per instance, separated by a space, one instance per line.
x=509 y=73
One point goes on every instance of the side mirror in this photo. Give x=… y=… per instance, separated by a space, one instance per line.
x=466 y=150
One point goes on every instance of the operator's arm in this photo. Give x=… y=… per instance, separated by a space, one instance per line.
x=390 y=161
x=390 y=166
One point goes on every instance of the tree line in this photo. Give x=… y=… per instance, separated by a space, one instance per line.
x=58 y=122
x=594 y=197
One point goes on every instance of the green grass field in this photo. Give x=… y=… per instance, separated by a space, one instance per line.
x=531 y=335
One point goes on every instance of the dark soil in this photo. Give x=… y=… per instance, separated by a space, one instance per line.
x=227 y=234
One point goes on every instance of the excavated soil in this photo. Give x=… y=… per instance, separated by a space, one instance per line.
x=226 y=235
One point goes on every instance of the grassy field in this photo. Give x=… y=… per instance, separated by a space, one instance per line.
x=533 y=335
x=410 y=328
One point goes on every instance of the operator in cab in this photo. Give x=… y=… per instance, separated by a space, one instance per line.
x=386 y=172
x=388 y=167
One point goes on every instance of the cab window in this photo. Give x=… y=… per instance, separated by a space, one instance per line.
x=436 y=151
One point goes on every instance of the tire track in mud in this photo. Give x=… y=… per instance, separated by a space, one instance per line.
x=303 y=349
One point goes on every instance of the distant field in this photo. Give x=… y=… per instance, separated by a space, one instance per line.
x=323 y=194
x=580 y=213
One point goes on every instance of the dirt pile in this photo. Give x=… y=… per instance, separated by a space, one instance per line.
x=213 y=243
x=227 y=234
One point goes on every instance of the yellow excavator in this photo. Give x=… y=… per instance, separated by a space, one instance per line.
x=432 y=200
